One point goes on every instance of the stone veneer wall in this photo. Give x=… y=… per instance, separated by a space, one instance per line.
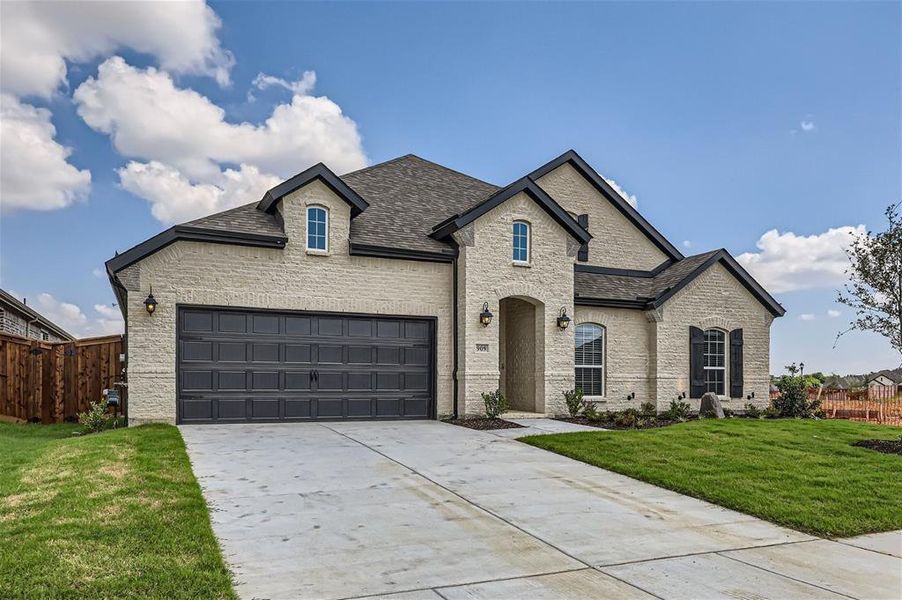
x=628 y=351
x=517 y=329
x=290 y=279
x=616 y=242
x=715 y=299
x=487 y=274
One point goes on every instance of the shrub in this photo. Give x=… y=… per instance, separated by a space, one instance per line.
x=626 y=418
x=495 y=404
x=95 y=418
x=678 y=411
x=591 y=412
x=793 y=399
x=648 y=409
x=728 y=413
x=753 y=411
x=575 y=402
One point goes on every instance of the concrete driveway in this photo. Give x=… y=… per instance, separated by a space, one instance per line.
x=430 y=510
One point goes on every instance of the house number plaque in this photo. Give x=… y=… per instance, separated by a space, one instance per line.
x=482 y=347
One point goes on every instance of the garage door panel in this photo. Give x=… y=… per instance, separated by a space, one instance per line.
x=297 y=353
x=243 y=365
x=232 y=380
x=232 y=323
x=297 y=380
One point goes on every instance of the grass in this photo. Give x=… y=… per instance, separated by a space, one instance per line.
x=800 y=474
x=110 y=515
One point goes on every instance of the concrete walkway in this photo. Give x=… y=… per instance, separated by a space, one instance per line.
x=428 y=510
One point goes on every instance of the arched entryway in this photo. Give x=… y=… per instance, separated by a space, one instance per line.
x=521 y=352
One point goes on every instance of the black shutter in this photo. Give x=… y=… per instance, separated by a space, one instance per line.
x=736 y=363
x=583 y=254
x=696 y=362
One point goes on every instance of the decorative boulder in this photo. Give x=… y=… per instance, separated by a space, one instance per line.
x=710 y=406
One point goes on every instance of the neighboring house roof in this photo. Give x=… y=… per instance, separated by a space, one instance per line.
x=600 y=286
x=837 y=383
x=8 y=301
x=896 y=379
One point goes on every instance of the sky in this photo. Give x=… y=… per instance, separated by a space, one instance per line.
x=773 y=130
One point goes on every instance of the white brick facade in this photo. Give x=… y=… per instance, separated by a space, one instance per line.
x=522 y=352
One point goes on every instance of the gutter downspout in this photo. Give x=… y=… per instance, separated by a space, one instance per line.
x=454 y=327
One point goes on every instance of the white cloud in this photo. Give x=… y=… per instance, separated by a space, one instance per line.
x=833 y=313
x=630 y=198
x=106 y=320
x=302 y=86
x=98 y=273
x=687 y=244
x=34 y=173
x=173 y=198
x=807 y=126
x=149 y=118
x=37 y=38
x=788 y=262
x=807 y=317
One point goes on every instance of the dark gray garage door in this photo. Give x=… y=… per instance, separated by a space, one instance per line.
x=245 y=365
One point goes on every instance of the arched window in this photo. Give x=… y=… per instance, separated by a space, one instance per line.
x=715 y=361
x=521 y=241
x=317 y=228
x=590 y=340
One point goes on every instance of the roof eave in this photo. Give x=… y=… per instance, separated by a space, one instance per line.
x=724 y=257
x=605 y=189
x=318 y=171
x=530 y=188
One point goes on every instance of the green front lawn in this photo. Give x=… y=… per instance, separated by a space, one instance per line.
x=801 y=474
x=110 y=515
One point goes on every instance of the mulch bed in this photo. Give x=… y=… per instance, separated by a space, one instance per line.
x=885 y=446
x=484 y=423
x=647 y=424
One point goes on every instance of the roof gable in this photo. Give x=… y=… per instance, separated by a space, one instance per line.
x=605 y=189
x=525 y=185
x=14 y=303
x=650 y=289
x=318 y=171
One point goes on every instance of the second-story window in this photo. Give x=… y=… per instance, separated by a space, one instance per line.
x=521 y=241
x=317 y=228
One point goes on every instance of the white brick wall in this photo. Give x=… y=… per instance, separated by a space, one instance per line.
x=616 y=242
x=487 y=274
x=200 y=273
x=647 y=353
x=714 y=299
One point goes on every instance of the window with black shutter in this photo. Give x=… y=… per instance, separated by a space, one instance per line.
x=736 y=374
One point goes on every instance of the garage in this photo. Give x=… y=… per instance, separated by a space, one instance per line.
x=241 y=365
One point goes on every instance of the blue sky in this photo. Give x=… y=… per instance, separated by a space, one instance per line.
x=725 y=120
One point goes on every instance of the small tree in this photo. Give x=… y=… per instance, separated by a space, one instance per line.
x=495 y=404
x=874 y=289
x=793 y=399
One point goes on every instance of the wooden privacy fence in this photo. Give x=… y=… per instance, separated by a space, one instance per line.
x=875 y=405
x=53 y=382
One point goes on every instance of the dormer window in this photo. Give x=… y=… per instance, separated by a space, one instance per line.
x=521 y=241
x=317 y=228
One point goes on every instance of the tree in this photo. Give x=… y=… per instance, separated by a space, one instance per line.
x=874 y=289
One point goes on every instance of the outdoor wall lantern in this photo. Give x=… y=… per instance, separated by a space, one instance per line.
x=485 y=317
x=150 y=303
x=563 y=320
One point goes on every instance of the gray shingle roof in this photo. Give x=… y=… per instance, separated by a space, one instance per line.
x=407 y=197
x=631 y=288
x=245 y=219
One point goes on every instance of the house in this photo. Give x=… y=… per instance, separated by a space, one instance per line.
x=407 y=289
x=835 y=382
x=17 y=318
x=883 y=383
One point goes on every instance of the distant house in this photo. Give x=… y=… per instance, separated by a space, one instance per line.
x=17 y=318
x=882 y=381
x=835 y=382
